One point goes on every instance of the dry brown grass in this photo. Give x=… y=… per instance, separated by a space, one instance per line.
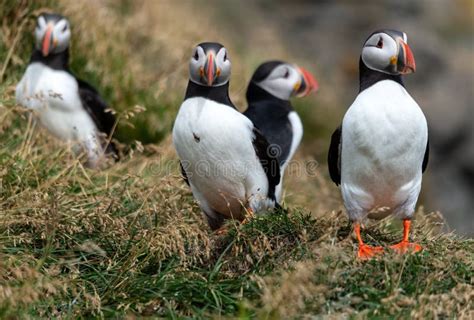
x=129 y=240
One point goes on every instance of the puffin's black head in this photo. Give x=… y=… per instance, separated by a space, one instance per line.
x=284 y=80
x=209 y=65
x=387 y=51
x=52 y=33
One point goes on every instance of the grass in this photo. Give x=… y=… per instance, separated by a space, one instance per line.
x=129 y=240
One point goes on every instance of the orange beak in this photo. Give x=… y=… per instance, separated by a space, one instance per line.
x=47 y=41
x=210 y=69
x=308 y=83
x=406 y=60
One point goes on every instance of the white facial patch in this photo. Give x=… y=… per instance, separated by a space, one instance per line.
x=40 y=31
x=62 y=35
x=378 y=51
x=223 y=65
x=282 y=81
x=197 y=61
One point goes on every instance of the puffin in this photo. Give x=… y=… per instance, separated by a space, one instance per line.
x=224 y=158
x=380 y=151
x=268 y=96
x=69 y=108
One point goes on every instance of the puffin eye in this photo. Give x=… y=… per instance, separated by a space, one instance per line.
x=196 y=55
x=225 y=57
x=380 y=43
x=65 y=28
x=287 y=74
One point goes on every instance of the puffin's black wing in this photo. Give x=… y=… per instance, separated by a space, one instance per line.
x=272 y=120
x=268 y=160
x=426 y=157
x=185 y=177
x=96 y=107
x=334 y=156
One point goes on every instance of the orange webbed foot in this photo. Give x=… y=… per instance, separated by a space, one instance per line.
x=368 y=252
x=405 y=246
x=365 y=251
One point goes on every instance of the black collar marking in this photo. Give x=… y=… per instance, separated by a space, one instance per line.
x=369 y=77
x=219 y=94
x=57 y=61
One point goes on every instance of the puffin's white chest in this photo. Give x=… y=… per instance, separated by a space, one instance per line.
x=53 y=95
x=297 y=130
x=214 y=144
x=384 y=137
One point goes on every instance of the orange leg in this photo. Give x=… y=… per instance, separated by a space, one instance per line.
x=405 y=245
x=365 y=251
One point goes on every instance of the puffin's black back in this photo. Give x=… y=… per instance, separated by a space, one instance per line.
x=270 y=115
